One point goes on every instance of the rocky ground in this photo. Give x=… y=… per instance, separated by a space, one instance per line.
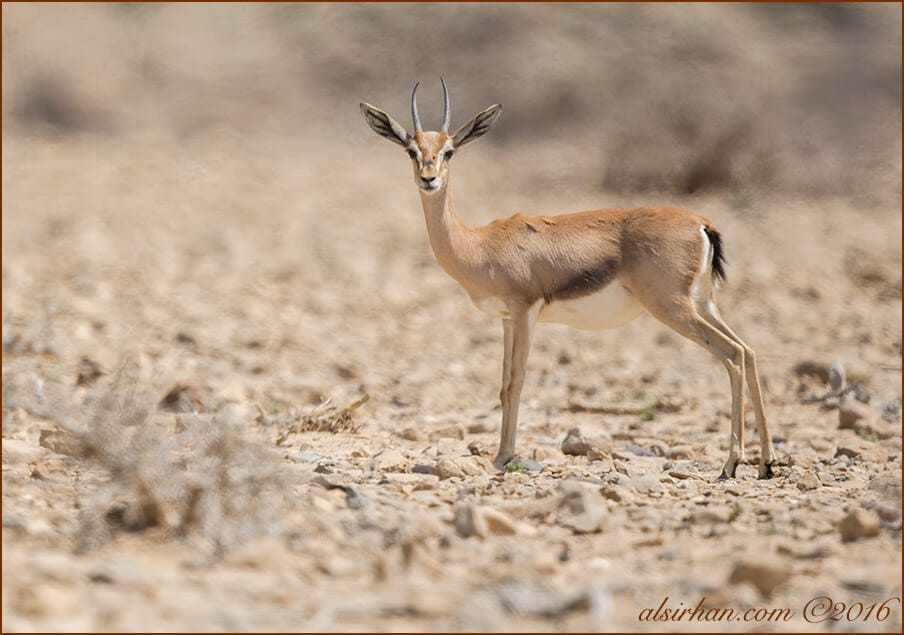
x=169 y=463
x=240 y=395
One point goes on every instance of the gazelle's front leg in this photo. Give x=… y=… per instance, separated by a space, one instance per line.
x=518 y=332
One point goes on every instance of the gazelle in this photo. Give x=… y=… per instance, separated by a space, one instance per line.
x=591 y=270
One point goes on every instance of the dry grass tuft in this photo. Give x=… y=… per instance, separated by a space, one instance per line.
x=326 y=417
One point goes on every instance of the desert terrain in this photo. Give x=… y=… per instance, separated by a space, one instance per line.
x=239 y=394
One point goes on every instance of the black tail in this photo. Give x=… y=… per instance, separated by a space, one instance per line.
x=718 y=255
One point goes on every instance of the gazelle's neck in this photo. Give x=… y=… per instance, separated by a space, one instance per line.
x=454 y=243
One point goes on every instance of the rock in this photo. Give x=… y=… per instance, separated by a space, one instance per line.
x=617 y=477
x=463 y=466
x=888 y=486
x=88 y=371
x=849 y=450
x=389 y=459
x=683 y=476
x=469 y=521
x=16 y=452
x=572 y=494
x=859 y=523
x=476 y=449
x=545 y=454
x=711 y=515
x=412 y=434
x=888 y=513
x=58 y=441
x=808 y=481
x=423 y=469
x=659 y=448
x=874 y=453
x=851 y=412
x=305 y=457
x=763 y=573
x=498 y=522
x=450 y=432
x=480 y=427
x=617 y=494
x=681 y=452
x=640 y=450
x=576 y=444
x=589 y=522
x=646 y=483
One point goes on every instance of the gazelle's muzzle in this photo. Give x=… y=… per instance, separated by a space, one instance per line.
x=429 y=177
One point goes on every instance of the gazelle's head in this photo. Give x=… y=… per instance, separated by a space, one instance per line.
x=430 y=152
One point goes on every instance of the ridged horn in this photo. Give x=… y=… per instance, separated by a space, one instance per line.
x=446 y=110
x=414 y=115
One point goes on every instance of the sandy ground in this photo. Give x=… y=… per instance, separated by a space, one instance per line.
x=203 y=243
x=270 y=287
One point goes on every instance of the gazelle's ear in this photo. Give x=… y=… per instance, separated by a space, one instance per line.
x=384 y=125
x=478 y=126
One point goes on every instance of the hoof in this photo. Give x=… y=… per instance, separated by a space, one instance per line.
x=728 y=471
x=766 y=471
x=500 y=461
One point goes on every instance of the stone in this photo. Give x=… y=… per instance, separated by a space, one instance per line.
x=888 y=486
x=58 y=441
x=859 y=523
x=545 y=454
x=469 y=521
x=574 y=443
x=617 y=494
x=680 y=452
x=646 y=483
x=498 y=522
x=763 y=573
x=873 y=453
x=16 y=452
x=712 y=514
x=450 y=432
x=588 y=522
x=412 y=434
x=851 y=412
x=479 y=427
x=463 y=466
x=808 y=481
x=305 y=457
x=389 y=459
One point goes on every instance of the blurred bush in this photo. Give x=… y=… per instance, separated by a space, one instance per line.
x=799 y=98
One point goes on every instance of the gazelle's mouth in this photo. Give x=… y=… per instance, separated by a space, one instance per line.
x=429 y=186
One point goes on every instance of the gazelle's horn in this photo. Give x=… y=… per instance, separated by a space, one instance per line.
x=446 y=111
x=417 y=120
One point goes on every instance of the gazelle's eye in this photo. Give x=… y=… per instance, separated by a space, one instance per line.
x=412 y=153
x=448 y=155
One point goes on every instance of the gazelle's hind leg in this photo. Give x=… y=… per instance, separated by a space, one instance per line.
x=681 y=315
x=707 y=309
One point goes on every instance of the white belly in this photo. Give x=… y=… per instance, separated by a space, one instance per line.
x=606 y=309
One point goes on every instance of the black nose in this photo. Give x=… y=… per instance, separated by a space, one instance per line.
x=428 y=179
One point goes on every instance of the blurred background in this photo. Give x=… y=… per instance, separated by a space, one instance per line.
x=741 y=97
x=192 y=188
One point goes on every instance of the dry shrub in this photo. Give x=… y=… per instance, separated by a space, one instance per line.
x=326 y=417
x=206 y=481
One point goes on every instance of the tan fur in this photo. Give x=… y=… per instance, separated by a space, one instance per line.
x=515 y=266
